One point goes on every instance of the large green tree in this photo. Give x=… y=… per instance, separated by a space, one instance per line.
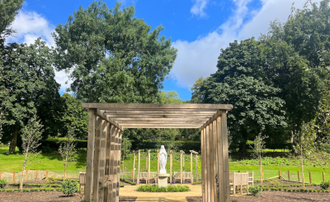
x=113 y=56
x=240 y=80
x=27 y=87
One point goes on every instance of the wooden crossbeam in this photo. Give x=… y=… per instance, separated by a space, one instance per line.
x=113 y=122
x=130 y=106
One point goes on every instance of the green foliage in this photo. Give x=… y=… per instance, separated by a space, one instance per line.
x=69 y=187
x=50 y=180
x=198 y=182
x=113 y=54
x=255 y=190
x=325 y=185
x=154 y=188
x=9 y=9
x=121 y=185
x=129 y=182
x=3 y=183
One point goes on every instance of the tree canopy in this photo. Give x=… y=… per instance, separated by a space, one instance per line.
x=113 y=56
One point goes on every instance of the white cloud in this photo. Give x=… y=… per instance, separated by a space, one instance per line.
x=199 y=58
x=199 y=7
x=31 y=25
x=128 y=2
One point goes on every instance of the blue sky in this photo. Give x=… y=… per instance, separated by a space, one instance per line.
x=198 y=28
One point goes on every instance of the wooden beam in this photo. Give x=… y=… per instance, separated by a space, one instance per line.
x=96 y=170
x=146 y=120
x=160 y=112
x=113 y=122
x=102 y=160
x=107 y=162
x=171 y=165
x=194 y=152
x=220 y=161
x=90 y=155
x=215 y=160
x=204 y=170
x=224 y=135
x=214 y=117
x=149 y=116
x=138 y=177
x=176 y=122
x=134 y=106
x=111 y=194
x=211 y=165
x=208 y=162
x=118 y=166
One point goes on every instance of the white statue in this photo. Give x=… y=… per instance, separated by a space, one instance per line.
x=162 y=160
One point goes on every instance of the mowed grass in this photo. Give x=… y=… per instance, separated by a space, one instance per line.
x=52 y=162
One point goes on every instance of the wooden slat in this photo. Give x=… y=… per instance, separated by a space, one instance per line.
x=211 y=173
x=103 y=147
x=159 y=112
x=139 y=164
x=115 y=167
x=149 y=116
x=214 y=117
x=224 y=135
x=119 y=120
x=220 y=160
x=118 y=165
x=204 y=170
x=96 y=170
x=130 y=106
x=162 y=122
x=111 y=196
x=207 y=140
x=107 y=162
x=215 y=160
x=113 y=122
x=90 y=155
x=160 y=126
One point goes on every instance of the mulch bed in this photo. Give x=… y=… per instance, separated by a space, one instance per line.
x=47 y=196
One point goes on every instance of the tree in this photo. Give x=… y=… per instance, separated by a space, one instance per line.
x=112 y=56
x=27 y=87
x=31 y=135
x=241 y=80
x=75 y=116
x=258 y=149
x=8 y=11
x=67 y=149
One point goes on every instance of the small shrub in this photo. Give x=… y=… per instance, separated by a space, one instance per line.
x=69 y=187
x=3 y=184
x=26 y=190
x=154 y=188
x=16 y=190
x=50 y=180
x=255 y=191
x=121 y=185
x=9 y=190
x=325 y=185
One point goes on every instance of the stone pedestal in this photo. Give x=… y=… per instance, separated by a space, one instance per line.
x=162 y=180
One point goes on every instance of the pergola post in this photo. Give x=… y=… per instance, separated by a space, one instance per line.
x=211 y=174
x=204 y=170
x=111 y=184
x=107 y=161
x=196 y=167
x=181 y=164
x=90 y=155
x=102 y=160
x=224 y=136
x=96 y=170
x=215 y=160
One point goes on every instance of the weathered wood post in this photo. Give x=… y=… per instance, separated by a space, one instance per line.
x=323 y=176
x=181 y=164
x=46 y=173
x=310 y=177
x=279 y=174
x=298 y=175
x=36 y=175
x=96 y=164
x=14 y=176
x=288 y=175
x=26 y=175
x=196 y=167
x=90 y=155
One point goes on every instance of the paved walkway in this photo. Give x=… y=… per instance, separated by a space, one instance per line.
x=195 y=190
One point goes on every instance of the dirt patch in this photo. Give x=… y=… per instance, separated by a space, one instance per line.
x=47 y=196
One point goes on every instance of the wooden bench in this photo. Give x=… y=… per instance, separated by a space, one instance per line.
x=239 y=179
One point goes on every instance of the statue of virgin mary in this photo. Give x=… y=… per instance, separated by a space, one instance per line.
x=162 y=160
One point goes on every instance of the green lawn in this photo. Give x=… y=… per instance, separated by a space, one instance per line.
x=52 y=162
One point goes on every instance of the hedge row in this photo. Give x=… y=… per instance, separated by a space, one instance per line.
x=37 y=185
x=30 y=190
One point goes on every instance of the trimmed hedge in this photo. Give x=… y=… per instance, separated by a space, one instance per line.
x=129 y=182
x=155 y=188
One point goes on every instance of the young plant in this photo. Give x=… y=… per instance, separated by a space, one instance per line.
x=31 y=135
x=69 y=187
x=258 y=149
x=255 y=190
x=3 y=184
x=67 y=150
x=325 y=185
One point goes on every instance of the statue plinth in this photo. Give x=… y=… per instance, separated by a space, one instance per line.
x=162 y=180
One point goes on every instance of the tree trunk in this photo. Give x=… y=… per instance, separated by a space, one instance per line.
x=260 y=166
x=65 y=163
x=242 y=149
x=23 y=171
x=13 y=142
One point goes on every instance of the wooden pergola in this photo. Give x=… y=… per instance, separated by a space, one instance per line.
x=108 y=120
